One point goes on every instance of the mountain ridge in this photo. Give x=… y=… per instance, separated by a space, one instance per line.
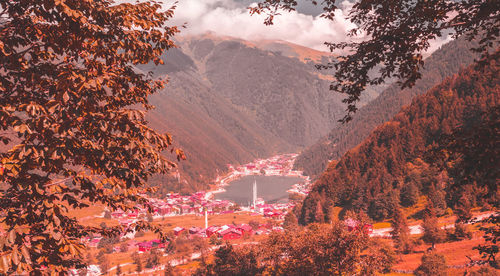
x=444 y=62
x=388 y=167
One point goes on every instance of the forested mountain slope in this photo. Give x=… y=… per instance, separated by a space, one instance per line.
x=283 y=95
x=442 y=63
x=387 y=168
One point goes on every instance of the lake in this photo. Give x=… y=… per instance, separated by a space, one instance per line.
x=271 y=188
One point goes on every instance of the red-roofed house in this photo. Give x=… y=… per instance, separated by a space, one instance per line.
x=231 y=234
x=245 y=228
x=211 y=230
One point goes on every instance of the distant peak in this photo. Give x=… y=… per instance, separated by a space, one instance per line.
x=288 y=49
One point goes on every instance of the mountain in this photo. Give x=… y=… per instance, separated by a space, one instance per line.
x=281 y=94
x=229 y=101
x=389 y=167
x=444 y=62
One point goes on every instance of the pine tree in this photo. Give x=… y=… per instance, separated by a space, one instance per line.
x=319 y=216
x=409 y=194
x=400 y=232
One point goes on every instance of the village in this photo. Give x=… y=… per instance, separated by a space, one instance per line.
x=204 y=204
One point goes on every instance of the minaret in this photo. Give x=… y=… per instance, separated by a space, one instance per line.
x=206 y=219
x=254 y=197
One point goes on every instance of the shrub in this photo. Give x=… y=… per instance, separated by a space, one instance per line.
x=432 y=265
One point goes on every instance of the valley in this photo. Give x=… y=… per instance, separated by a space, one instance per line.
x=209 y=201
x=250 y=138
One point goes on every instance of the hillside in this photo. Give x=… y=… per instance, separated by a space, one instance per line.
x=282 y=94
x=229 y=102
x=387 y=168
x=446 y=61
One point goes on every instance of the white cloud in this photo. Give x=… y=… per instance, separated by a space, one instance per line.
x=229 y=18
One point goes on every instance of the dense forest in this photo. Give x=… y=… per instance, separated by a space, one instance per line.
x=446 y=61
x=392 y=167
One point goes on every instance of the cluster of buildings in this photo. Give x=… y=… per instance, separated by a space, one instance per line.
x=224 y=232
x=276 y=165
x=228 y=231
x=175 y=204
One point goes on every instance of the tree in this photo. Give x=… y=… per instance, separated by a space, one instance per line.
x=118 y=270
x=201 y=245
x=318 y=249
x=489 y=251
x=319 y=215
x=400 y=232
x=136 y=258
x=379 y=257
x=169 y=270
x=153 y=258
x=437 y=197
x=432 y=233
x=107 y=214
x=255 y=224
x=432 y=265
x=483 y=271
x=103 y=262
x=291 y=222
x=470 y=155
x=463 y=210
x=72 y=114
x=409 y=194
x=394 y=36
x=124 y=247
x=149 y=217
x=231 y=261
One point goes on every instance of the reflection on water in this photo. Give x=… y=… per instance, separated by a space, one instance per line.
x=270 y=188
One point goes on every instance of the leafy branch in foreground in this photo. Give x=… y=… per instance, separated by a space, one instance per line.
x=72 y=118
x=489 y=251
x=394 y=34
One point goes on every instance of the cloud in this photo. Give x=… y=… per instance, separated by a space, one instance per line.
x=230 y=18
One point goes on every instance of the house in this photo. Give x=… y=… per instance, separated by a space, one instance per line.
x=125 y=221
x=368 y=228
x=352 y=224
x=185 y=209
x=158 y=244
x=94 y=241
x=117 y=214
x=202 y=233
x=132 y=215
x=194 y=230
x=230 y=234
x=245 y=228
x=148 y=245
x=211 y=230
x=144 y=246
x=177 y=230
x=278 y=228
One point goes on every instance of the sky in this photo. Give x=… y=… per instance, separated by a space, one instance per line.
x=231 y=18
